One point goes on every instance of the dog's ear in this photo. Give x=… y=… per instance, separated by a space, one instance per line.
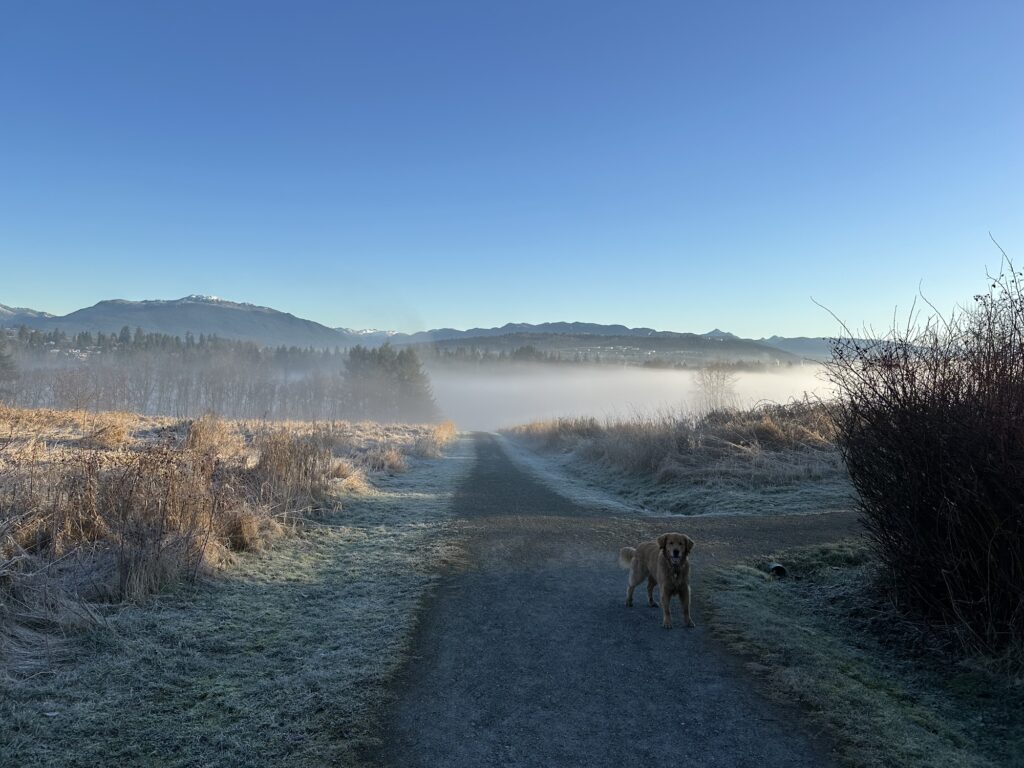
x=662 y=539
x=689 y=544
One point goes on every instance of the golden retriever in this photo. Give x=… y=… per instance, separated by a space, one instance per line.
x=663 y=562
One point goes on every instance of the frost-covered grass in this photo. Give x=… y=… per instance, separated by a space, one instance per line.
x=97 y=509
x=772 y=459
x=282 y=661
x=885 y=689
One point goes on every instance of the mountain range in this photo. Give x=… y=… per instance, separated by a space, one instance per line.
x=266 y=326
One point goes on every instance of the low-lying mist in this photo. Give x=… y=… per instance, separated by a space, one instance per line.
x=491 y=398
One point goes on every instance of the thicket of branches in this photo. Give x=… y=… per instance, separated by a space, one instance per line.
x=930 y=421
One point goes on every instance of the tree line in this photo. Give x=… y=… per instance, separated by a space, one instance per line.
x=158 y=374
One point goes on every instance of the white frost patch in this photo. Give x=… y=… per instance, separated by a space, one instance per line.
x=554 y=473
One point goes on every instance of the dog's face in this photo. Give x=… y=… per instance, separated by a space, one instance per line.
x=676 y=547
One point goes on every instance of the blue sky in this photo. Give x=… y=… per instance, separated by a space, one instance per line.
x=677 y=165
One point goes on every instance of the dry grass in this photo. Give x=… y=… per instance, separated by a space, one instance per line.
x=114 y=507
x=285 y=661
x=385 y=458
x=292 y=470
x=771 y=445
x=212 y=435
x=109 y=431
x=433 y=444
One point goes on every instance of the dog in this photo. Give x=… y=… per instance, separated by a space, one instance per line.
x=663 y=562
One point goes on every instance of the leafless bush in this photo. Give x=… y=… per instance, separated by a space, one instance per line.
x=931 y=424
x=716 y=386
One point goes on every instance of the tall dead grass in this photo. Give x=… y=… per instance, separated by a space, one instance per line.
x=292 y=471
x=212 y=435
x=768 y=445
x=113 y=507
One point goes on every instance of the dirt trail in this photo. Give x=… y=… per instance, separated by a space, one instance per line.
x=528 y=657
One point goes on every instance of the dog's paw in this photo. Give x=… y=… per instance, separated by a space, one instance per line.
x=689 y=623
x=652 y=605
x=667 y=624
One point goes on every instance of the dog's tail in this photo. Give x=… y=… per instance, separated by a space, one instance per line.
x=626 y=555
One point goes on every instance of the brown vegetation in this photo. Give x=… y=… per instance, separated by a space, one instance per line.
x=930 y=424
x=114 y=507
x=768 y=445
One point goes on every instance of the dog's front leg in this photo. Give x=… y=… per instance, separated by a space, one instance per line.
x=666 y=609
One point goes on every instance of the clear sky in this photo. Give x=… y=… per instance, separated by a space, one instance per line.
x=680 y=165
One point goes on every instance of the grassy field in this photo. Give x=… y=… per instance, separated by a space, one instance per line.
x=159 y=576
x=770 y=459
x=282 y=660
x=889 y=691
x=101 y=509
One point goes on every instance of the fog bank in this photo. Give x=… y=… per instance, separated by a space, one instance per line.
x=491 y=398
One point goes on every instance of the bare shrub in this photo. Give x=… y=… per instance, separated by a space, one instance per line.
x=930 y=422
x=716 y=387
x=162 y=506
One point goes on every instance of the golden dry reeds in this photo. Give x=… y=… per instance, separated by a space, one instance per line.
x=108 y=431
x=292 y=471
x=213 y=435
x=433 y=444
x=767 y=445
x=114 y=507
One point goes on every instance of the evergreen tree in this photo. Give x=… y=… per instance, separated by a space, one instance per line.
x=387 y=385
x=8 y=372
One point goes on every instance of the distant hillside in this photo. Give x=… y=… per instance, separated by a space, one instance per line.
x=192 y=314
x=805 y=347
x=571 y=328
x=20 y=315
x=265 y=326
x=664 y=347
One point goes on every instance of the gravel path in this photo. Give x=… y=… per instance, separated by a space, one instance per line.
x=527 y=656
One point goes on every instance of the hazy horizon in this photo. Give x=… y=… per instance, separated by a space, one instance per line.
x=488 y=400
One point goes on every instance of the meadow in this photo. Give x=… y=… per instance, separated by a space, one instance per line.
x=102 y=509
x=768 y=459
